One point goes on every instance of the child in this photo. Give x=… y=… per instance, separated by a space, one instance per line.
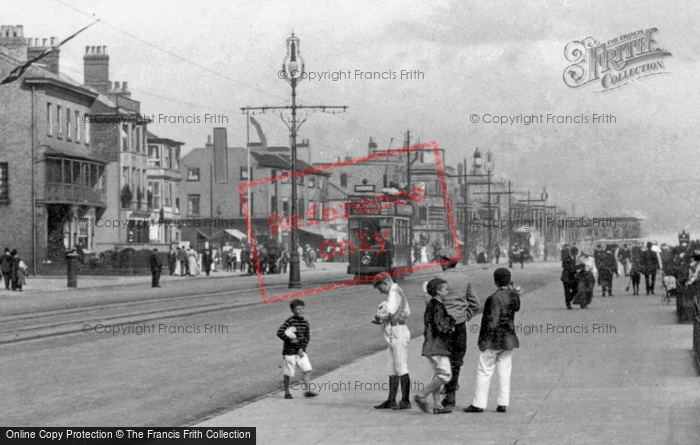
x=295 y=333
x=497 y=340
x=438 y=325
x=635 y=275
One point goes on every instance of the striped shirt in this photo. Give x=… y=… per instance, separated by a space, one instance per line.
x=303 y=333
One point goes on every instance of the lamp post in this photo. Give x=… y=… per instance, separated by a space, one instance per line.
x=489 y=169
x=293 y=66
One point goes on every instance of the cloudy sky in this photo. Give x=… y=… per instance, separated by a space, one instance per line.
x=186 y=58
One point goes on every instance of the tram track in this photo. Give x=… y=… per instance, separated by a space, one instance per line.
x=61 y=321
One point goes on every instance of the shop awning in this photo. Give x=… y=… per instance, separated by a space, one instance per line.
x=236 y=233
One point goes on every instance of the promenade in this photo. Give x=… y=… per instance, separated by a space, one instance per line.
x=620 y=372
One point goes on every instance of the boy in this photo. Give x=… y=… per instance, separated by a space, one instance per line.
x=295 y=333
x=438 y=325
x=497 y=340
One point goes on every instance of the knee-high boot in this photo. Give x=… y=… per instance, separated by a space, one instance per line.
x=405 y=402
x=390 y=403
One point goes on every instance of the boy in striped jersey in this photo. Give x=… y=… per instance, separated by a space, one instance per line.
x=295 y=333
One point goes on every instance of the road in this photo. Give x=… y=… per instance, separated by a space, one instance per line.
x=174 y=372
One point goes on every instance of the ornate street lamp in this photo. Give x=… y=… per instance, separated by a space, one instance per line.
x=489 y=168
x=293 y=67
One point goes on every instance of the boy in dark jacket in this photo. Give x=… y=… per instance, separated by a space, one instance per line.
x=497 y=340
x=295 y=333
x=438 y=325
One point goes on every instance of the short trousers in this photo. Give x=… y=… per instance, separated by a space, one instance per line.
x=292 y=361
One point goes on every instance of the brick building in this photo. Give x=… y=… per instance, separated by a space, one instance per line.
x=46 y=156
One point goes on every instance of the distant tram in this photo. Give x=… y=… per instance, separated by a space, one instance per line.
x=379 y=233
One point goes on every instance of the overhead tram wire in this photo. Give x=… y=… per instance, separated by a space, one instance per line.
x=184 y=59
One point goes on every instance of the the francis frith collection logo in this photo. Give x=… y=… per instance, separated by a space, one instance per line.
x=614 y=63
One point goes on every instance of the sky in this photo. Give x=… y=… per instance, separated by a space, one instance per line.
x=500 y=58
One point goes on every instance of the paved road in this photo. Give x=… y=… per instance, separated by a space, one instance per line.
x=168 y=378
x=620 y=372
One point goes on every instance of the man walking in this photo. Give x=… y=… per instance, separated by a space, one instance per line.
x=650 y=264
x=156 y=268
x=182 y=258
x=6 y=266
x=568 y=275
x=392 y=315
x=172 y=259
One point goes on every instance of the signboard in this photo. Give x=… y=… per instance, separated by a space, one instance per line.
x=364 y=188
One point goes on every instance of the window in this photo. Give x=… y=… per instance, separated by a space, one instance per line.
x=177 y=205
x=245 y=176
x=343 y=179
x=76 y=127
x=59 y=120
x=49 y=119
x=136 y=139
x=4 y=183
x=125 y=137
x=193 y=174
x=125 y=175
x=68 y=124
x=312 y=182
x=176 y=165
x=87 y=132
x=154 y=188
x=422 y=214
x=168 y=193
x=273 y=205
x=166 y=158
x=193 y=204
x=154 y=156
x=251 y=205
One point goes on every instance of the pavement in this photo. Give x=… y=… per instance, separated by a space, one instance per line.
x=60 y=283
x=619 y=372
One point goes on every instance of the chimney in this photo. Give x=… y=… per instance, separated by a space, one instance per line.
x=13 y=41
x=51 y=61
x=96 y=68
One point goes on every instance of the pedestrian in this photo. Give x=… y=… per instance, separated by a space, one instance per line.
x=497 y=252
x=192 y=263
x=392 y=315
x=207 y=261
x=15 y=277
x=156 y=268
x=295 y=332
x=234 y=262
x=172 y=260
x=436 y=345
x=497 y=339
x=569 y=276
x=635 y=275
x=607 y=269
x=182 y=258
x=650 y=264
x=462 y=307
x=587 y=277
x=625 y=257
x=6 y=266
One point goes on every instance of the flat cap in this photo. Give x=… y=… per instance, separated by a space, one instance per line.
x=380 y=278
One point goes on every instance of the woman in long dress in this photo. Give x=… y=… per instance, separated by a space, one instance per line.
x=178 y=269
x=192 y=262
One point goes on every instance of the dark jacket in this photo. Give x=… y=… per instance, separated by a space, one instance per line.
x=498 y=321
x=182 y=255
x=172 y=258
x=438 y=325
x=303 y=333
x=5 y=263
x=650 y=261
x=155 y=262
x=568 y=273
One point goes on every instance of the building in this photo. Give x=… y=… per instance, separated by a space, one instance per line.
x=163 y=190
x=213 y=210
x=118 y=133
x=52 y=175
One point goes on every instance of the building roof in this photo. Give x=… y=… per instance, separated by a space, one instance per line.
x=150 y=137
x=284 y=162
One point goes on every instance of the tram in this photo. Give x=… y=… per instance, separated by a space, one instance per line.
x=379 y=233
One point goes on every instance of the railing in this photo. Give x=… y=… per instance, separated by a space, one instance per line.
x=59 y=193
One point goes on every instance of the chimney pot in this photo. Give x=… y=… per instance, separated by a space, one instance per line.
x=104 y=50
x=116 y=85
x=20 y=30
x=54 y=41
x=124 y=85
x=87 y=50
x=44 y=42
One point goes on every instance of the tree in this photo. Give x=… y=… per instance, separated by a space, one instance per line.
x=126 y=196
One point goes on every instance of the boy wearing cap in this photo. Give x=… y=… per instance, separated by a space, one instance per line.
x=392 y=316
x=436 y=345
x=497 y=340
